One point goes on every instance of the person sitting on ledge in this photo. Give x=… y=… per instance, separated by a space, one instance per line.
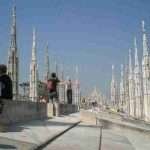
x=5 y=84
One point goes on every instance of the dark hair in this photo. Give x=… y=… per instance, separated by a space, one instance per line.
x=3 y=68
x=53 y=74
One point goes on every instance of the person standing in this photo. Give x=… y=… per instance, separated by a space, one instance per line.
x=52 y=87
x=69 y=91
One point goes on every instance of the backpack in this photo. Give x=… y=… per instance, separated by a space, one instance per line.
x=50 y=85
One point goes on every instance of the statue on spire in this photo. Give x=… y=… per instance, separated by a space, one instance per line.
x=145 y=43
x=136 y=53
x=34 y=45
x=130 y=62
x=143 y=26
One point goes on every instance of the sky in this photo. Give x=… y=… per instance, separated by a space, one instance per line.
x=93 y=34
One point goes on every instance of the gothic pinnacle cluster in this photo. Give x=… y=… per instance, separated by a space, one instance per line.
x=37 y=88
x=135 y=83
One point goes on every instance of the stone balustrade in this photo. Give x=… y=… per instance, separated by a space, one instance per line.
x=22 y=111
x=66 y=109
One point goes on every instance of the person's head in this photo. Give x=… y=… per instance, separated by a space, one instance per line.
x=53 y=75
x=3 y=69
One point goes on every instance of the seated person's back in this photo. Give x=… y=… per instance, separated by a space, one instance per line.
x=5 y=84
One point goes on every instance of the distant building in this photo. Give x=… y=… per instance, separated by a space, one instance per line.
x=97 y=97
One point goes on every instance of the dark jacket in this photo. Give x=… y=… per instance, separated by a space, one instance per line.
x=6 y=87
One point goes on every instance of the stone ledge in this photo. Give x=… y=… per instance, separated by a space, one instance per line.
x=20 y=111
x=113 y=122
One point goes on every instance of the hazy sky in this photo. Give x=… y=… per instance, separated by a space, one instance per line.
x=93 y=34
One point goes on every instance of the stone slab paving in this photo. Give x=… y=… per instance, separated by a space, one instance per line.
x=10 y=144
x=86 y=137
x=82 y=137
x=35 y=132
x=113 y=140
x=140 y=141
x=79 y=138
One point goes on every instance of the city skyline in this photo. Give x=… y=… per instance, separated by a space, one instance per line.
x=96 y=48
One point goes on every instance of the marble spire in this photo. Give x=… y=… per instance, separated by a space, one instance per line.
x=113 y=89
x=34 y=46
x=122 y=90
x=13 y=60
x=47 y=65
x=76 y=86
x=113 y=74
x=137 y=84
x=77 y=72
x=56 y=68
x=126 y=87
x=62 y=72
x=146 y=75
x=131 y=87
x=130 y=62
x=33 y=91
x=136 y=53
